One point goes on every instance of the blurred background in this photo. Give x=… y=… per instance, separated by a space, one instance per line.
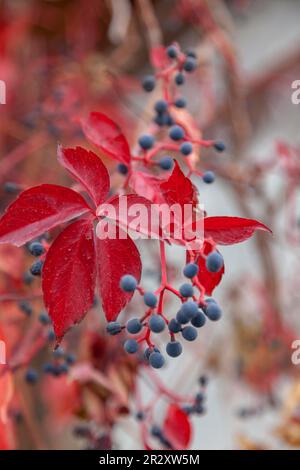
x=61 y=59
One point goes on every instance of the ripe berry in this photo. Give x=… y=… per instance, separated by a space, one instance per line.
x=213 y=311
x=36 y=268
x=156 y=360
x=190 y=309
x=191 y=53
x=199 y=319
x=219 y=146
x=190 y=270
x=122 y=168
x=149 y=83
x=70 y=359
x=146 y=141
x=113 y=328
x=128 y=283
x=176 y=133
x=179 y=78
x=36 y=249
x=189 y=333
x=51 y=335
x=131 y=346
x=149 y=351
x=150 y=299
x=161 y=106
x=44 y=318
x=174 y=326
x=186 y=148
x=209 y=177
x=172 y=52
x=28 y=278
x=134 y=326
x=156 y=431
x=186 y=290
x=182 y=317
x=214 y=262
x=166 y=163
x=156 y=323
x=140 y=416
x=11 y=188
x=31 y=376
x=174 y=348
x=25 y=307
x=180 y=103
x=190 y=64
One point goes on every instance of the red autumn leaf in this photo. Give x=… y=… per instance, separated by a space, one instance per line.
x=230 y=230
x=158 y=57
x=115 y=258
x=69 y=276
x=179 y=189
x=88 y=169
x=177 y=428
x=208 y=279
x=37 y=210
x=107 y=136
x=147 y=185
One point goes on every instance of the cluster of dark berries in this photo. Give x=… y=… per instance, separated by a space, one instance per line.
x=62 y=360
x=37 y=249
x=198 y=406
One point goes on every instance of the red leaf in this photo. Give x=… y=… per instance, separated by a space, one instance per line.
x=115 y=258
x=208 y=280
x=106 y=134
x=177 y=428
x=37 y=210
x=179 y=189
x=147 y=185
x=88 y=169
x=69 y=276
x=230 y=230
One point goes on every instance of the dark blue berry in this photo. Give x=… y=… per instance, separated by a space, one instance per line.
x=213 y=311
x=156 y=431
x=51 y=335
x=199 y=319
x=176 y=133
x=189 y=333
x=113 y=328
x=28 y=278
x=122 y=168
x=161 y=106
x=172 y=52
x=48 y=368
x=180 y=103
x=70 y=359
x=31 y=376
x=128 y=283
x=131 y=346
x=36 y=249
x=190 y=270
x=219 y=146
x=169 y=121
x=190 y=309
x=174 y=326
x=160 y=120
x=179 y=78
x=174 y=348
x=182 y=317
x=11 y=188
x=44 y=318
x=134 y=326
x=190 y=64
x=186 y=290
x=214 y=262
x=36 y=268
x=166 y=163
x=149 y=351
x=149 y=83
x=25 y=307
x=191 y=53
x=156 y=360
x=186 y=148
x=156 y=323
x=146 y=141
x=140 y=416
x=209 y=177
x=150 y=299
